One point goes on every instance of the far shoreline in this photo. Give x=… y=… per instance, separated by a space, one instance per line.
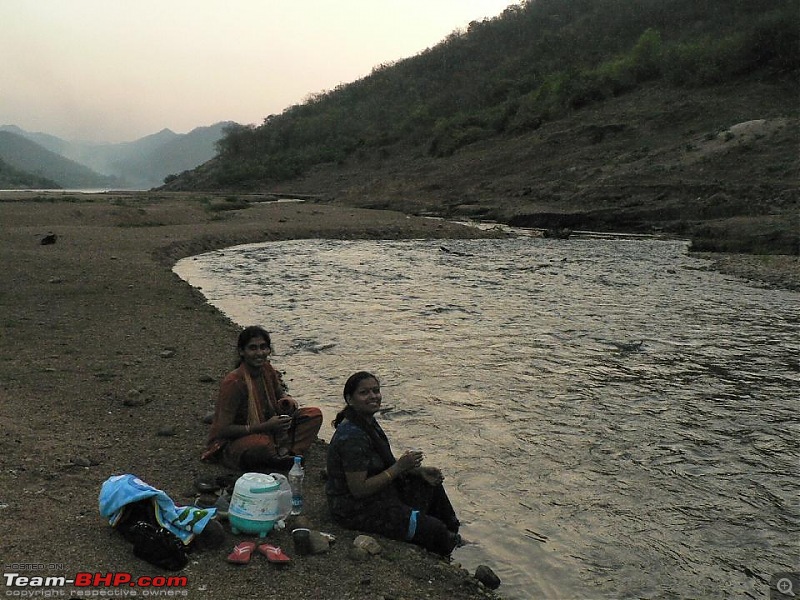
x=773 y=271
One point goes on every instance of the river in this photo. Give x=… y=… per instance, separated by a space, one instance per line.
x=613 y=419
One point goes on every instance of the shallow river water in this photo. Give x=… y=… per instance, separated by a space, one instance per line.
x=613 y=420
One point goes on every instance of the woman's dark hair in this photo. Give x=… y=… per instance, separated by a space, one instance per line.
x=247 y=334
x=379 y=441
x=352 y=382
x=349 y=387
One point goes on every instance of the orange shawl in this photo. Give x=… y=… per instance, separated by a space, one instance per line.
x=283 y=405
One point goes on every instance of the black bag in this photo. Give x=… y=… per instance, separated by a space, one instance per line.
x=151 y=542
x=158 y=546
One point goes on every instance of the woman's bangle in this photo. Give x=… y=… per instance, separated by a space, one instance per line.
x=247 y=429
x=388 y=475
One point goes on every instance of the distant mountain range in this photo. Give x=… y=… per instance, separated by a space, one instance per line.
x=31 y=158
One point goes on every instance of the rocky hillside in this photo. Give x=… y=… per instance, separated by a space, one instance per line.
x=718 y=165
x=679 y=117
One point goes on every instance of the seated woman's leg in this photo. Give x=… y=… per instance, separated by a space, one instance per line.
x=432 y=534
x=394 y=519
x=264 y=459
x=255 y=452
x=308 y=423
x=384 y=515
x=441 y=508
x=430 y=500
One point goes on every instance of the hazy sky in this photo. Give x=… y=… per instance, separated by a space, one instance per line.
x=117 y=70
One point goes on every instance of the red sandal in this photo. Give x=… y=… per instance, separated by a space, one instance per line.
x=241 y=553
x=274 y=554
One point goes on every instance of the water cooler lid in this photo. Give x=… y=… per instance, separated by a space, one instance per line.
x=259 y=483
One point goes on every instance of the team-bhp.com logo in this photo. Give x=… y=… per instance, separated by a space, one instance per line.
x=86 y=584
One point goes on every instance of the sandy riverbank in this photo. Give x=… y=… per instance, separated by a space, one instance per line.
x=97 y=320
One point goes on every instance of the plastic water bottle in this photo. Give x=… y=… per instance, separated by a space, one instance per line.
x=296 y=475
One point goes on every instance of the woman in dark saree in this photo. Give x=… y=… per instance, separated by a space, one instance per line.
x=371 y=491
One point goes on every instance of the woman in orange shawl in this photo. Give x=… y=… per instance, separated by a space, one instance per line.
x=257 y=426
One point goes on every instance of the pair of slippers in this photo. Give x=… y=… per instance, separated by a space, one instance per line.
x=243 y=551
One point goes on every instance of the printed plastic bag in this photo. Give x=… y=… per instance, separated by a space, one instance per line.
x=284 y=496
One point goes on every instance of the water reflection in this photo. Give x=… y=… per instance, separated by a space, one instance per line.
x=615 y=421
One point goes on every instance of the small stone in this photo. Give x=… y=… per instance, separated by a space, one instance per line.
x=166 y=431
x=487 y=577
x=213 y=536
x=358 y=554
x=208 y=418
x=81 y=461
x=367 y=543
x=168 y=354
x=207 y=379
x=134 y=397
x=319 y=543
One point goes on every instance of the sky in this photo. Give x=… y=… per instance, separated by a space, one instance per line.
x=118 y=70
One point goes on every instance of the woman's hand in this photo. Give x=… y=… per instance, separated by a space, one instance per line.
x=431 y=475
x=411 y=459
x=278 y=424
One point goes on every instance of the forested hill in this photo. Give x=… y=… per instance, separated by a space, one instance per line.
x=489 y=103
x=14 y=179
